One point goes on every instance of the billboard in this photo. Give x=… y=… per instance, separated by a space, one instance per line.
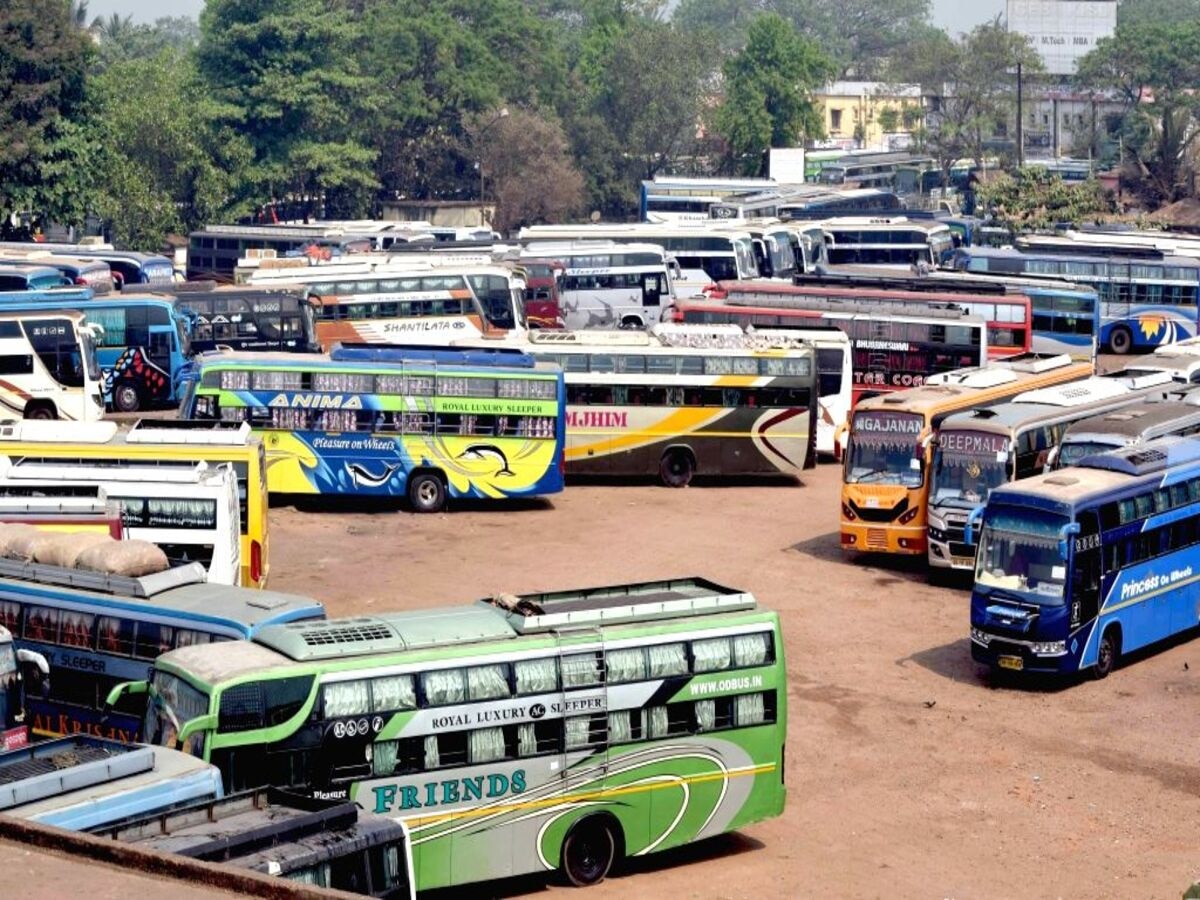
x=1062 y=31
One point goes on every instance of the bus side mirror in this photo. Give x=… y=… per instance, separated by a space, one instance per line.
x=1064 y=538
x=839 y=440
x=969 y=531
x=131 y=688
x=190 y=728
x=33 y=665
x=1052 y=458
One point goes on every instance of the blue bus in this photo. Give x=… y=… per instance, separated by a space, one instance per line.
x=131 y=268
x=1145 y=301
x=97 y=631
x=93 y=273
x=672 y=198
x=142 y=351
x=1079 y=566
x=29 y=277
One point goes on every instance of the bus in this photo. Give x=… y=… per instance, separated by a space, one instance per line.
x=892 y=348
x=1123 y=527
x=96 y=630
x=172 y=444
x=127 y=267
x=719 y=250
x=610 y=285
x=1144 y=301
x=82 y=782
x=885 y=488
x=48 y=366
x=242 y=318
x=393 y=422
x=17 y=669
x=978 y=450
x=1132 y=426
x=91 y=273
x=86 y=511
x=543 y=277
x=423 y=302
x=1007 y=316
x=214 y=251
x=324 y=843
x=862 y=241
x=31 y=277
x=506 y=741
x=1183 y=366
x=190 y=513
x=1115 y=242
x=870 y=170
x=683 y=400
x=142 y=344
x=670 y=199
x=806 y=203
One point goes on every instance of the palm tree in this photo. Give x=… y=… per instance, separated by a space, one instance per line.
x=115 y=29
x=79 y=13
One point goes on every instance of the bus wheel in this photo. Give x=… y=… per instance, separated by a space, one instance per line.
x=677 y=468
x=1120 y=340
x=1106 y=655
x=40 y=411
x=632 y=323
x=126 y=397
x=426 y=492
x=588 y=852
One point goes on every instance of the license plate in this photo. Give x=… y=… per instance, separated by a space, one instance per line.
x=962 y=562
x=1012 y=662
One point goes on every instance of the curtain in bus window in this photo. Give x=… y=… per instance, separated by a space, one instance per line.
x=342 y=382
x=41 y=624
x=526 y=740
x=347 y=698
x=167 y=512
x=620 y=729
x=433 y=759
x=112 y=320
x=749 y=710
x=114 y=635
x=317 y=875
x=448 y=686
x=535 y=676
x=626 y=665
x=751 y=649
x=10 y=614
x=577 y=731
x=487 y=682
x=394 y=692
x=657 y=723
x=667 y=659
x=706 y=715
x=718 y=365
x=77 y=629
x=711 y=655
x=383 y=757
x=269 y=380
x=485 y=745
x=580 y=670
x=153 y=640
x=185 y=637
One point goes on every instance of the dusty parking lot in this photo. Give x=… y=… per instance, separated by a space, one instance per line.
x=909 y=773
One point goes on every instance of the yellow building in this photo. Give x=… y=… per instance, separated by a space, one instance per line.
x=870 y=115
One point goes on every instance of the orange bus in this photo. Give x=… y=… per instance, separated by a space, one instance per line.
x=885 y=484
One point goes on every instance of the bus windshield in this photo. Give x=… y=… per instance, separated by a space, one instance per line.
x=88 y=345
x=1071 y=452
x=883 y=449
x=1019 y=551
x=968 y=465
x=173 y=703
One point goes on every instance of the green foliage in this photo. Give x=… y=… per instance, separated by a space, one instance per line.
x=1150 y=12
x=119 y=38
x=768 y=87
x=1034 y=199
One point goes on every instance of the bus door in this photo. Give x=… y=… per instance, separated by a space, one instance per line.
x=653 y=289
x=584 y=705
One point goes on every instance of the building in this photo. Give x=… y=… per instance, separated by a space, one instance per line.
x=869 y=114
x=1062 y=31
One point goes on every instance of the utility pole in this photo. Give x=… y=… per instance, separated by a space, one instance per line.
x=1020 y=120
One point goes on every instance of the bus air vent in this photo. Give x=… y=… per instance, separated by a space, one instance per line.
x=352 y=631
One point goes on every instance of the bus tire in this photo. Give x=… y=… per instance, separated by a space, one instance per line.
x=632 y=323
x=40 y=409
x=1120 y=340
x=588 y=852
x=1107 y=653
x=426 y=492
x=126 y=397
x=677 y=467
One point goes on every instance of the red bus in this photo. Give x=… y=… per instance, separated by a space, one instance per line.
x=542 y=278
x=893 y=348
x=1008 y=316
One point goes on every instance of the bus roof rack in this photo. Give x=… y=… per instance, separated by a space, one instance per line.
x=54 y=767
x=142 y=587
x=188 y=431
x=58 y=432
x=1155 y=456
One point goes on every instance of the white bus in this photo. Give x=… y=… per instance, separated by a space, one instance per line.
x=609 y=285
x=191 y=513
x=887 y=241
x=48 y=367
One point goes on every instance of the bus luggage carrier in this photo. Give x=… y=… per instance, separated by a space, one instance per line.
x=142 y=587
x=55 y=767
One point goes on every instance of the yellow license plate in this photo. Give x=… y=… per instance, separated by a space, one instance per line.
x=1012 y=662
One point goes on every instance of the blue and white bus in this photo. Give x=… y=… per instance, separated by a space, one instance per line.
x=96 y=631
x=1145 y=301
x=672 y=198
x=128 y=267
x=1077 y=567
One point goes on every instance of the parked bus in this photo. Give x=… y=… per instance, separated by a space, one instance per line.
x=87 y=511
x=1007 y=316
x=805 y=203
x=1132 y=426
x=173 y=444
x=1115 y=242
x=610 y=285
x=17 y=669
x=869 y=170
x=885 y=488
x=1123 y=526
x=127 y=266
x=242 y=318
x=82 y=782
x=31 y=277
x=190 y=513
x=497 y=717
x=685 y=400
x=720 y=252
x=543 y=278
x=49 y=368
x=978 y=450
x=862 y=241
x=1144 y=302
x=1183 y=367
x=670 y=199
x=90 y=273
x=214 y=251
x=324 y=843
x=97 y=630
x=892 y=348
x=426 y=424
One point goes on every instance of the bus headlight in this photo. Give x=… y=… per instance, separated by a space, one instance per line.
x=980 y=637
x=1049 y=648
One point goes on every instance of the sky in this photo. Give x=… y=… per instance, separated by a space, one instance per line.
x=953 y=15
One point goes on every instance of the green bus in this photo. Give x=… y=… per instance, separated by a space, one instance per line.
x=521 y=734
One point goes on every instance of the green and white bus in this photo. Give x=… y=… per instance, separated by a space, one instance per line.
x=518 y=735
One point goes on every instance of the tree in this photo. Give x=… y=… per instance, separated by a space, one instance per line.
x=1154 y=69
x=724 y=20
x=1035 y=199
x=43 y=59
x=768 y=89
x=78 y=13
x=120 y=38
x=1149 y=12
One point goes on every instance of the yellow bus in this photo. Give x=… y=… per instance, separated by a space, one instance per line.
x=151 y=442
x=885 y=484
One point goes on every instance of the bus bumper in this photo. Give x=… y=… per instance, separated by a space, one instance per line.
x=1009 y=654
x=899 y=539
